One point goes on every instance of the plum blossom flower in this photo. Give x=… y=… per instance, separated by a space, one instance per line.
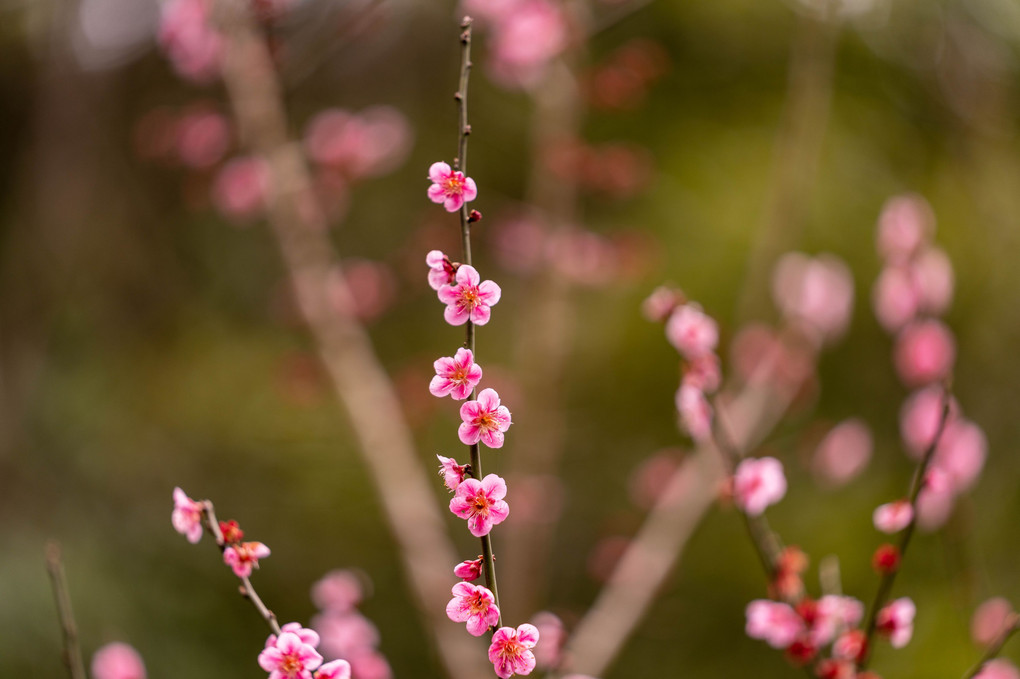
x=758 y=483
x=510 y=651
x=692 y=331
x=843 y=453
x=117 y=661
x=704 y=373
x=474 y=605
x=773 y=622
x=920 y=417
x=906 y=222
x=456 y=377
x=289 y=658
x=470 y=569
x=441 y=269
x=818 y=291
x=450 y=187
x=850 y=645
x=346 y=634
x=187 y=516
x=241 y=188
x=893 y=516
x=554 y=636
x=452 y=473
x=337 y=669
x=924 y=352
x=695 y=412
x=1000 y=668
x=338 y=591
x=990 y=620
x=470 y=298
x=896 y=621
x=481 y=503
x=244 y=557
x=832 y=614
x=485 y=420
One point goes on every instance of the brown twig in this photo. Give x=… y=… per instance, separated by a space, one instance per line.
x=360 y=381
x=58 y=581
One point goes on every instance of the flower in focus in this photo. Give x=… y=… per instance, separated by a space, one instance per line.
x=187 y=516
x=474 y=605
x=470 y=299
x=450 y=187
x=692 y=331
x=456 y=377
x=452 y=473
x=896 y=621
x=758 y=483
x=441 y=269
x=244 y=557
x=484 y=420
x=510 y=651
x=773 y=622
x=470 y=569
x=337 y=669
x=893 y=517
x=117 y=661
x=289 y=658
x=481 y=503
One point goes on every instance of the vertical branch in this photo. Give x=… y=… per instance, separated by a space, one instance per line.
x=384 y=438
x=68 y=627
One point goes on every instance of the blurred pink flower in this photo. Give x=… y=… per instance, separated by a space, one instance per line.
x=650 y=478
x=203 y=137
x=510 y=651
x=481 y=503
x=893 y=517
x=906 y=222
x=519 y=244
x=368 y=144
x=452 y=473
x=895 y=297
x=474 y=605
x=244 y=557
x=524 y=40
x=484 y=420
x=692 y=331
x=832 y=614
x=990 y=620
x=345 y=634
x=117 y=661
x=920 y=417
x=368 y=663
x=187 y=516
x=934 y=507
x=773 y=622
x=456 y=377
x=553 y=634
x=896 y=621
x=450 y=187
x=241 y=188
x=695 y=412
x=933 y=278
x=1000 y=668
x=338 y=591
x=192 y=45
x=758 y=483
x=289 y=658
x=844 y=452
x=818 y=291
x=363 y=288
x=703 y=373
x=582 y=257
x=924 y=352
x=658 y=306
x=470 y=299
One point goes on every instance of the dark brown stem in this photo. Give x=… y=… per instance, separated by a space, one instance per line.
x=916 y=484
x=58 y=581
x=1013 y=624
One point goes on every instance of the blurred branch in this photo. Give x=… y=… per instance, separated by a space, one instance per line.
x=360 y=381
x=58 y=581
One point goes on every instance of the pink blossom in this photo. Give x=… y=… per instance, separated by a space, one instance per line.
x=368 y=663
x=896 y=621
x=337 y=669
x=920 y=417
x=934 y=505
x=456 y=377
x=583 y=257
x=893 y=517
x=905 y=223
x=307 y=636
x=933 y=278
x=338 y=591
x=525 y=40
x=187 y=516
x=510 y=651
x=660 y=303
x=450 y=187
x=895 y=297
x=469 y=299
x=554 y=635
x=961 y=453
x=703 y=373
x=691 y=331
x=203 y=137
x=924 y=352
x=758 y=483
x=850 y=646
x=990 y=620
x=117 y=661
x=695 y=412
x=289 y=658
x=192 y=45
x=441 y=270
x=470 y=569
x=345 y=634
x=775 y=623
x=244 y=557
x=818 y=291
x=1000 y=668
x=475 y=605
x=481 y=503
x=519 y=243
x=843 y=453
x=832 y=614
x=241 y=189
x=484 y=420
x=452 y=473
x=362 y=145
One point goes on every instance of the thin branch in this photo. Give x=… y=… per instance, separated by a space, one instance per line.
x=916 y=484
x=1013 y=624
x=58 y=580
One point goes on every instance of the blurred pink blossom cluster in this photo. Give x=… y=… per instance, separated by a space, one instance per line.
x=343 y=630
x=356 y=146
x=525 y=35
x=914 y=288
x=815 y=293
x=623 y=79
x=189 y=39
x=615 y=170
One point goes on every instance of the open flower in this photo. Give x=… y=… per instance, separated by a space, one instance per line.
x=244 y=557
x=456 y=376
x=289 y=658
x=469 y=299
x=450 y=187
x=510 y=651
x=474 y=605
x=481 y=503
x=187 y=516
x=692 y=331
x=896 y=621
x=758 y=483
x=485 y=420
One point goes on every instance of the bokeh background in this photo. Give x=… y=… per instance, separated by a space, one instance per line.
x=147 y=341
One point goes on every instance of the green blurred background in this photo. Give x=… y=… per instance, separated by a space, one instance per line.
x=144 y=344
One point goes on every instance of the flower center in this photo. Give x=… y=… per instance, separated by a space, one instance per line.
x=291 y=665
x=486 y=421
x=479 y=604
x=482 y=504
x=454 y=185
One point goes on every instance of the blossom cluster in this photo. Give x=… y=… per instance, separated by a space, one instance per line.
x=344 y=632
x=293 y=655
x=242 y=557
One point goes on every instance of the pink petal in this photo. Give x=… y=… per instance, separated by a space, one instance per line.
x=453 y=202
x=481 y=314
x=488 y=400
x=498 y=511
x=470 y=190
x=479 y=525
x=469 y=434
x=477 y=626
x=439 y=172
x=455 y=315
x=527 y=635
x=435 y=259
x=468 y=275
x=449 y=294
x=494 y=487
x=436 y=193
x=489 y=292
x=441 y=386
